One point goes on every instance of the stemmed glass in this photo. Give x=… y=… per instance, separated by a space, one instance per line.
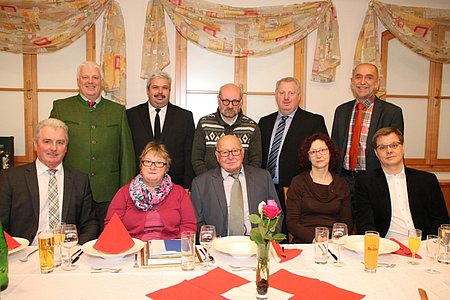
x=70 y=240
x=207 y=237
x=432 y=251
x=414 y=239
x=339 y=235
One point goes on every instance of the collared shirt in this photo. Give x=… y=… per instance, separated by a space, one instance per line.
x=227 y=184
x=366 y=117
x=286 y=129
x=152 y=114
x=401 y=220
x=43 y=177
x=97 y=101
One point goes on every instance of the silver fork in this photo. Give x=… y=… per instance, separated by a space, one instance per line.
x=103 y=269
x=25 y=258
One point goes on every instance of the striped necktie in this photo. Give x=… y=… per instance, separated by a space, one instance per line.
x=236 y=223
x=53 y=199
x=272 y=161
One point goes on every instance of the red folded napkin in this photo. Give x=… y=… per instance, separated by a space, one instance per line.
x=403 y=249
x=208 y=287
x=306 y=288
x=288 y=253
x=218 y=281
x=184 y=290
x=115 y=238
x=12 y=243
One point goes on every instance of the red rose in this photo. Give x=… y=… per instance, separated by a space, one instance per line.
x=271 y=209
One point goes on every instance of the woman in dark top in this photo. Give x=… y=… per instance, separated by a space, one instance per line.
x=317 y=197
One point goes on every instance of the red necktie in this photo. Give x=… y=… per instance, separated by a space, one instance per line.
x=355 y=136
x=91 y=104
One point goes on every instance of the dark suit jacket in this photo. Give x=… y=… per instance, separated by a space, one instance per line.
x=384 y=114
x=372 y=202
x=19 y=202
x=303 y=124
x=210 y=203
x=177 y=134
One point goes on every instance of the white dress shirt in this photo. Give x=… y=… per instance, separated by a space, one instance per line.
x=162 y=116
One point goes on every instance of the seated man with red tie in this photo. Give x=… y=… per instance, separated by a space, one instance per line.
x=41 y=194
x=225 y=196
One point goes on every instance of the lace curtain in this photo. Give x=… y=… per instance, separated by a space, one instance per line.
x=423 y=30
x=236 y=31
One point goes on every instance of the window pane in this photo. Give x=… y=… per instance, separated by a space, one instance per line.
x=260 y=105
x=444 y=125
x=407 y=72
x=11 y=72
x=46 y=103
x=414 y=111
x=201 y=105
x=12 y=119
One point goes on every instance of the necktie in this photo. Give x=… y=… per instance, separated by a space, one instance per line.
x=53 y=212
x=91 y=104
x=236 y=223
x=355 y=136
x=157 y=133
x=272 y=161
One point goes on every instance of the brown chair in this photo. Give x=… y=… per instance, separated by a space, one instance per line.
x=285 y=190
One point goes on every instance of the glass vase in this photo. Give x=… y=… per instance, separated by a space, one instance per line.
x=262 y=270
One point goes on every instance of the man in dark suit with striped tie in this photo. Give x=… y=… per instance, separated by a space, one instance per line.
x=282 y=133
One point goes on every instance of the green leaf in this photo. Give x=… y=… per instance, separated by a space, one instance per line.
x=255 y=219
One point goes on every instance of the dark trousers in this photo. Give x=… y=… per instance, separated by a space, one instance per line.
x=101 y=208
x=280 y=194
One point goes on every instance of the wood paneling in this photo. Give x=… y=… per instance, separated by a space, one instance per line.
x=445 y=187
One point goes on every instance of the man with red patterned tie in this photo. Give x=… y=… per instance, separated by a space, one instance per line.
x=356 y=121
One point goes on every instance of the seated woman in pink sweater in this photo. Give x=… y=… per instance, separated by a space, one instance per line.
x=151 y=206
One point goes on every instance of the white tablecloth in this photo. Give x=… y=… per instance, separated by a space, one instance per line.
x=401 y=282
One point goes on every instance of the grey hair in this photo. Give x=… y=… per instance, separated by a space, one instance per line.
x=91 y=64
x=53 y=123
x=288 y=79
x=159 y=74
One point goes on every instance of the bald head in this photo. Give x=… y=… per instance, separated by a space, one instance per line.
x=229 y=153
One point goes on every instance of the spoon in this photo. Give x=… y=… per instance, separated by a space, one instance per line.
x=25 y=258
x=240 y=268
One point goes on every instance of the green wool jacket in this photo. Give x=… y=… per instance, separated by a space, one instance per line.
x=100 y=143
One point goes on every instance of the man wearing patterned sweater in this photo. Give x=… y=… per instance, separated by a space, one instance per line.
x=228 y=119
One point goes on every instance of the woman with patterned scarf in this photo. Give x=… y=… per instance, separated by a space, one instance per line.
x=151 y=206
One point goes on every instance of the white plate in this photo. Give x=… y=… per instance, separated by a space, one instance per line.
x=88 y=248
x=23 y=245
x=356 y=243
x=235 y=246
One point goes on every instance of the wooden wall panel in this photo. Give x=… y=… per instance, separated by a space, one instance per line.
x=445 y=187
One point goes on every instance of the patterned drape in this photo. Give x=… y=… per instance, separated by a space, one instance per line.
x=36 y=26
x=237 y=31
x=423 y=30
x=113 y=54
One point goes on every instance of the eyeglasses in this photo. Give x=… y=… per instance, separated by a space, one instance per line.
x=393 y=146
x=149 y=163
x=225 y=153
x=226 y=102
x=320 y=151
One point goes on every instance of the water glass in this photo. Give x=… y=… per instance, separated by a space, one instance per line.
x=321 y=245
x=207 y=237
x=46 y=244
x=371 y=246
x=70 y=240
x=432 y=251
x=187 y=250
x=444 y=244
x=58 y=231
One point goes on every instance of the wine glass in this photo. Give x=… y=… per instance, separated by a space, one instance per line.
x=70 y=240
x=339 y=235
x=432 y=251
x=414 y=239
x=207 y=237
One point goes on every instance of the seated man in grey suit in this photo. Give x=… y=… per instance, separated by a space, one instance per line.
x=393 y=199
x=38 y=195
x=225 y=196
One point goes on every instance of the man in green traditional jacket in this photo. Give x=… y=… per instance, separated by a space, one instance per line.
x=100 y=138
